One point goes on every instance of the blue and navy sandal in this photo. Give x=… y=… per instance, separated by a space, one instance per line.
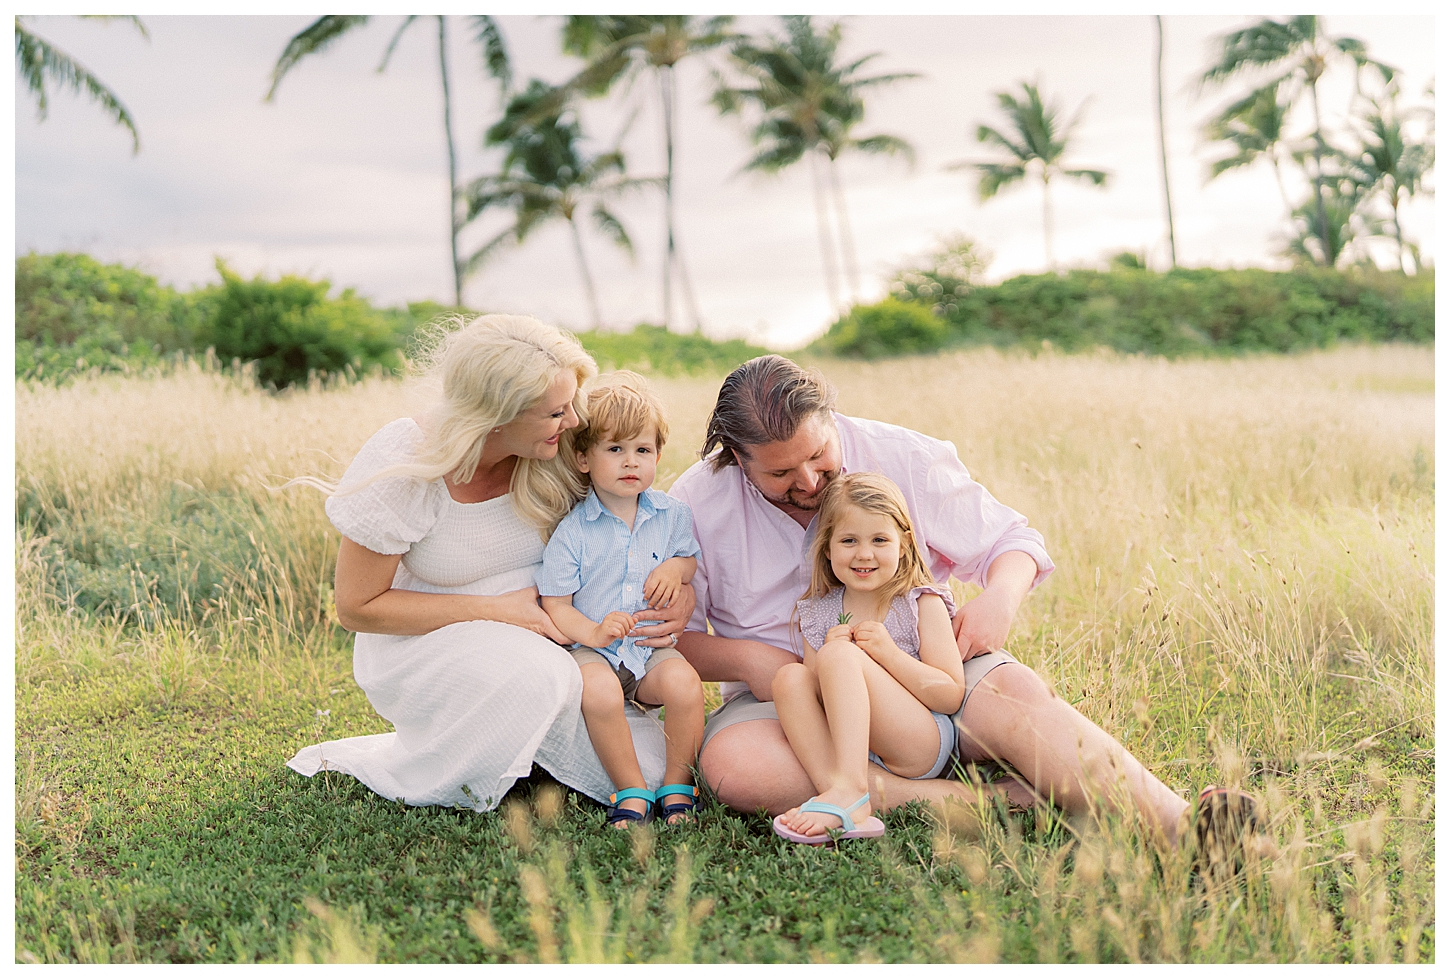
x=620 y=817
x=679 y=808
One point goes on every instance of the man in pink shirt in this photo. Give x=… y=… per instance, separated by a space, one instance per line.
x=772 y=445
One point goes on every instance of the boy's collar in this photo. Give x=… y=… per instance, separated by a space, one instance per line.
x=593 y=506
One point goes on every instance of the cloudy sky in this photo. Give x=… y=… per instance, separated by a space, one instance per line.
x=344 y=175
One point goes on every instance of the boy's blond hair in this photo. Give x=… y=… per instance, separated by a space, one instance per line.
x=619 y=407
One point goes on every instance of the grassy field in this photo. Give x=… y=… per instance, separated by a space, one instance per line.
x=1244 y=594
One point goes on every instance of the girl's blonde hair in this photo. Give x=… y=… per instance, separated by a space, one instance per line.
x=873 y=493
x=491 y=368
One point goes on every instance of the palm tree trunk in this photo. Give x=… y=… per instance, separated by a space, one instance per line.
x=668 y=109
x=823 y=230
x=848 y=241
x=1047 y=225
x=1163 y=150
x=453 y=224
x=1279 y=179
x=1399 y=235
x=1319 y=177
x=584 y=271
x=674 y=257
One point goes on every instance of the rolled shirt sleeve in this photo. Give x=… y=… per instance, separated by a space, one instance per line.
x=968 y=528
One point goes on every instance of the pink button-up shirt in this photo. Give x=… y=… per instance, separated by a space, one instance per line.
x=754 y=565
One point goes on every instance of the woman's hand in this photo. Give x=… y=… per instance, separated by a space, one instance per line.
x=657 y=628
x=873 y=637
x=521 y=608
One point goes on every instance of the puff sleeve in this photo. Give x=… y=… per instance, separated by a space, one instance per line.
x=391 y=515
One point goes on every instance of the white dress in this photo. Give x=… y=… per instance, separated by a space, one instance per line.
x=473 y=704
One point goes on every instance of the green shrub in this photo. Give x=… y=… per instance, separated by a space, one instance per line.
x=654 y=348
x=290 y=329
x=1136 y=310
x=73 y=314
x=887 y=328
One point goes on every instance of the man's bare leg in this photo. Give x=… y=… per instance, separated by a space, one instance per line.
x=750 y=766
x=1012 y=716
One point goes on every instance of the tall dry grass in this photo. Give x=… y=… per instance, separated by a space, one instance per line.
x=1244 y=593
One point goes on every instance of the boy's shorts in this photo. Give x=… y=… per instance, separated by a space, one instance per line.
x=628 y=682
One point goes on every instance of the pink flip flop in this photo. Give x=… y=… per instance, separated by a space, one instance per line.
x=870 y=826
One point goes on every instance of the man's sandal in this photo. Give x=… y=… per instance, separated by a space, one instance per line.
x=869 y=828
x=619 y=816
x=1223 y=819
x=678 y=808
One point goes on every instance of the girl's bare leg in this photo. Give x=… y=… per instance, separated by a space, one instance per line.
x=865 y=707
x=603 y=708
x=1012 y=716
x=798 y=704
x=675 y=684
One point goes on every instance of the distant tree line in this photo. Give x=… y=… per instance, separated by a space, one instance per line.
x=1343 y=189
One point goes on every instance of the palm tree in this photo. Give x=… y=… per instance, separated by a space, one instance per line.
x=1036 y=145
x=1254 y=129
x=1391 y=163
x=324 y=30
x=618 y=47
x=1163 y=148
x=546 y=177
x=1296 y=52
x=39 y=61
x=809 y=106
x=1349 y=225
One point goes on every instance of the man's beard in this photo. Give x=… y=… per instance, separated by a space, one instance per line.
x=794 y=498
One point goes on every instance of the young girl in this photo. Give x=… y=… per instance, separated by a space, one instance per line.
x=881 y=673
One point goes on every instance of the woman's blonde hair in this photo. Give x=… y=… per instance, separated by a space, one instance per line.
x=873 y=493
x=490 y=369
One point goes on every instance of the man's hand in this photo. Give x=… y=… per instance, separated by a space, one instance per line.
x=663 y=627
x=873 y=637
x=982 y=624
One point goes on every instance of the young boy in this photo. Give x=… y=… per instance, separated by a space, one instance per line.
x=624 y=549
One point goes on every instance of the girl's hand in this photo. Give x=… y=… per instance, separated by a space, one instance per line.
x=616 y=625
x=521 y=608
x=841 y=633
x=873 y=637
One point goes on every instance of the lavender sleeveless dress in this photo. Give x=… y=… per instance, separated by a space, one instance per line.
x=819 y=615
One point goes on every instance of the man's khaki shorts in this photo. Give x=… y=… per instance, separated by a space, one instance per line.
x=628 y=682
x=744 y=707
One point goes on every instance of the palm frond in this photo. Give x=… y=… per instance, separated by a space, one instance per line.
x=888 y=145
x=609 y=225
x=490 y=248
x=993 y=137
x=397 y=36
x=997 y=176
x=1098 y=178
x=38 y=60
x=310 y=40
x=495 y=54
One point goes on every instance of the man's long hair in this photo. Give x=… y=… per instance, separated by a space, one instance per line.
x=762 y=401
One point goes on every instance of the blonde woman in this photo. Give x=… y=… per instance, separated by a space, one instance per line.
x=444 y=518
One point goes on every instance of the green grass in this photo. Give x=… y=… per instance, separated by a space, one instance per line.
x=1244 y=595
